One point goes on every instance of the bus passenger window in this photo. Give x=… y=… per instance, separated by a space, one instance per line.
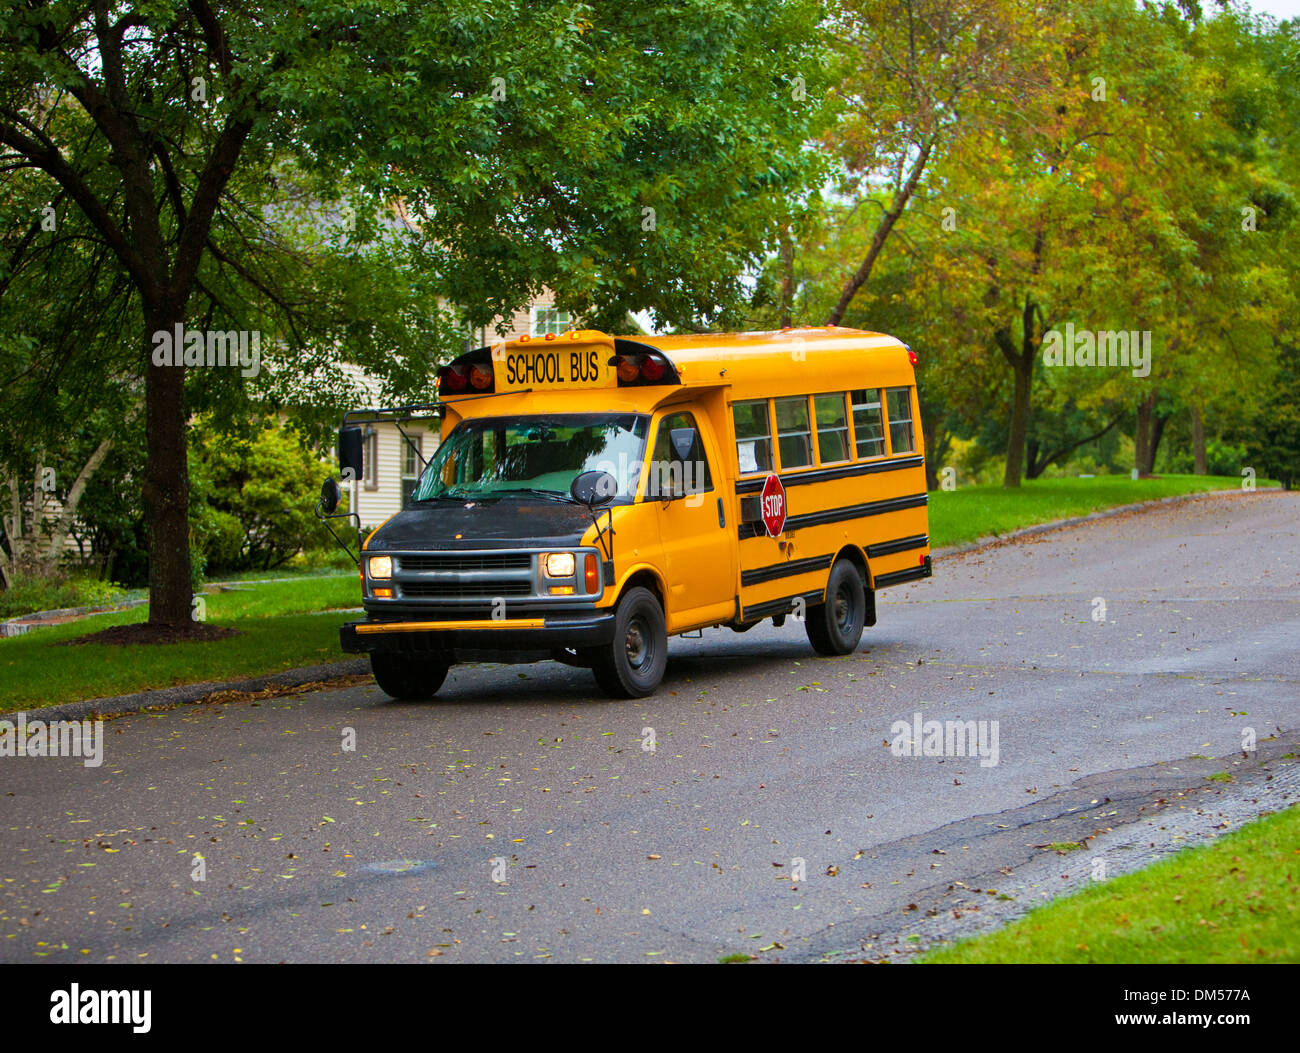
x=753 y=437
x=898 y=401
x=832 y=428
x=868 y=428
x=793 y=434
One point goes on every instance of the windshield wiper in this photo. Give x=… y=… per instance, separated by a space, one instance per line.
x=550 y=495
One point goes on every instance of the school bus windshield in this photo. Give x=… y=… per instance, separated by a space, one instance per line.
x=494 y=457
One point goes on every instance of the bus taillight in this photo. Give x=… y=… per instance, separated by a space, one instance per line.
x=652 y=368
x=644 y=369
x=628 y=370
x=453 y=380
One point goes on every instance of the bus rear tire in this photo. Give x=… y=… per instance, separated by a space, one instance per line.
x=406 y=677
x=835 y=627
x=633 y=665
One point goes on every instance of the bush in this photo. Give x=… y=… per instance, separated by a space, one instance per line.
x=39 y=594
x=253 y=499
x=1221 y=458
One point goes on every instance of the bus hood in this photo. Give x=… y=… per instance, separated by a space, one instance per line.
x=509 y=523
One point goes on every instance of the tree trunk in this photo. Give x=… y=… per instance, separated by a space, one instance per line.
x=1157 y=433
x=1143 y=455
x=934 y=449
x=167 y=484
x=896 y=208
x=1198 y=441
x=1024 y=373
x=63 y=524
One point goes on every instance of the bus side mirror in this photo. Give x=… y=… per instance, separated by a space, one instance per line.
x=351 y=457
x=330 y=496
x=594 y=488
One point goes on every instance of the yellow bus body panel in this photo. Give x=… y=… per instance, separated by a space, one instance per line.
x=870 y=508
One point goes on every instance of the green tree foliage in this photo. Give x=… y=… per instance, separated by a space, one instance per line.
x=254 y=497
x=629 y=156
x=1274 y=444
x=1142 y=179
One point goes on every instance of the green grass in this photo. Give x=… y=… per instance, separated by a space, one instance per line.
x=278 y=632
x=966 y=514
x=1236 y=900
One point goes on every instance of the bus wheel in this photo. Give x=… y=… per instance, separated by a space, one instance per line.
x=633 y=665
x=835 y=627
x=406 y=676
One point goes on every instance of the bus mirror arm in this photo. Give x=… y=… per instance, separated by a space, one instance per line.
x=325 y=506
x=605 y=534
x=593 y=489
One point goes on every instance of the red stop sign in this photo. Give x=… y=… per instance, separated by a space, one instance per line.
x=772 y=505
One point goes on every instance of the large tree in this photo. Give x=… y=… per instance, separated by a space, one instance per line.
x=921 y=80
x=627 y=156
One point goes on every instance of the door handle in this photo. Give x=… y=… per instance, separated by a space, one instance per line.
x=722 y=516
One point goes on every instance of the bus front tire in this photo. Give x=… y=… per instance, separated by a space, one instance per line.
x=407 y=677
x=835 y=627
x=633 y=665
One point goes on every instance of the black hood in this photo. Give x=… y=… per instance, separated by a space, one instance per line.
x=507 y=523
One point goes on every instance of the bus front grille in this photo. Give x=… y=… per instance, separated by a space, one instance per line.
x=483 y=590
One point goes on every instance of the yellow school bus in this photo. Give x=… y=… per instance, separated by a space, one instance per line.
x=593 y=495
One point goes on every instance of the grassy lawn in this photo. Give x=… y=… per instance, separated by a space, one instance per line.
x=966 y=514
x=276 y=620
x=1233 y=901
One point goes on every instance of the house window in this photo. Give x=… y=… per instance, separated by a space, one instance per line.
x=549 y=320
x=832 y=428
x=753 y=437
x=868 y=427
x=412 y=466
x=371 y=458
x=898 y=402
x=793 y=435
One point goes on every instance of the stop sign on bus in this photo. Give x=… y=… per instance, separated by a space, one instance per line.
x=772 y=505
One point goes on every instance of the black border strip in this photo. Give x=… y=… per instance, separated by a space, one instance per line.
x=784 y=570
x=823 y=475
x=897 y=577
x=837 y=515
x=782 y=606
x=902 y=544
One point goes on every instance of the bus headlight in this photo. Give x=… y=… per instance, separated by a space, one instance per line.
x=381 y=566
x=558 y=564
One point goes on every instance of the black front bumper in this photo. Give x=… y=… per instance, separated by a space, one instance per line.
x=456 y=641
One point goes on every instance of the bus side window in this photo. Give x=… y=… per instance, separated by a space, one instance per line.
x=868 y=427
x=898 y=404
x=793 y=433
x=753 y=437
x=832 y=428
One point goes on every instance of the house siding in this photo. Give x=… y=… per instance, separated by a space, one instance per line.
x=374 y=506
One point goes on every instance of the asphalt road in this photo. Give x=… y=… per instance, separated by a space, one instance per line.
x=764 y=755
